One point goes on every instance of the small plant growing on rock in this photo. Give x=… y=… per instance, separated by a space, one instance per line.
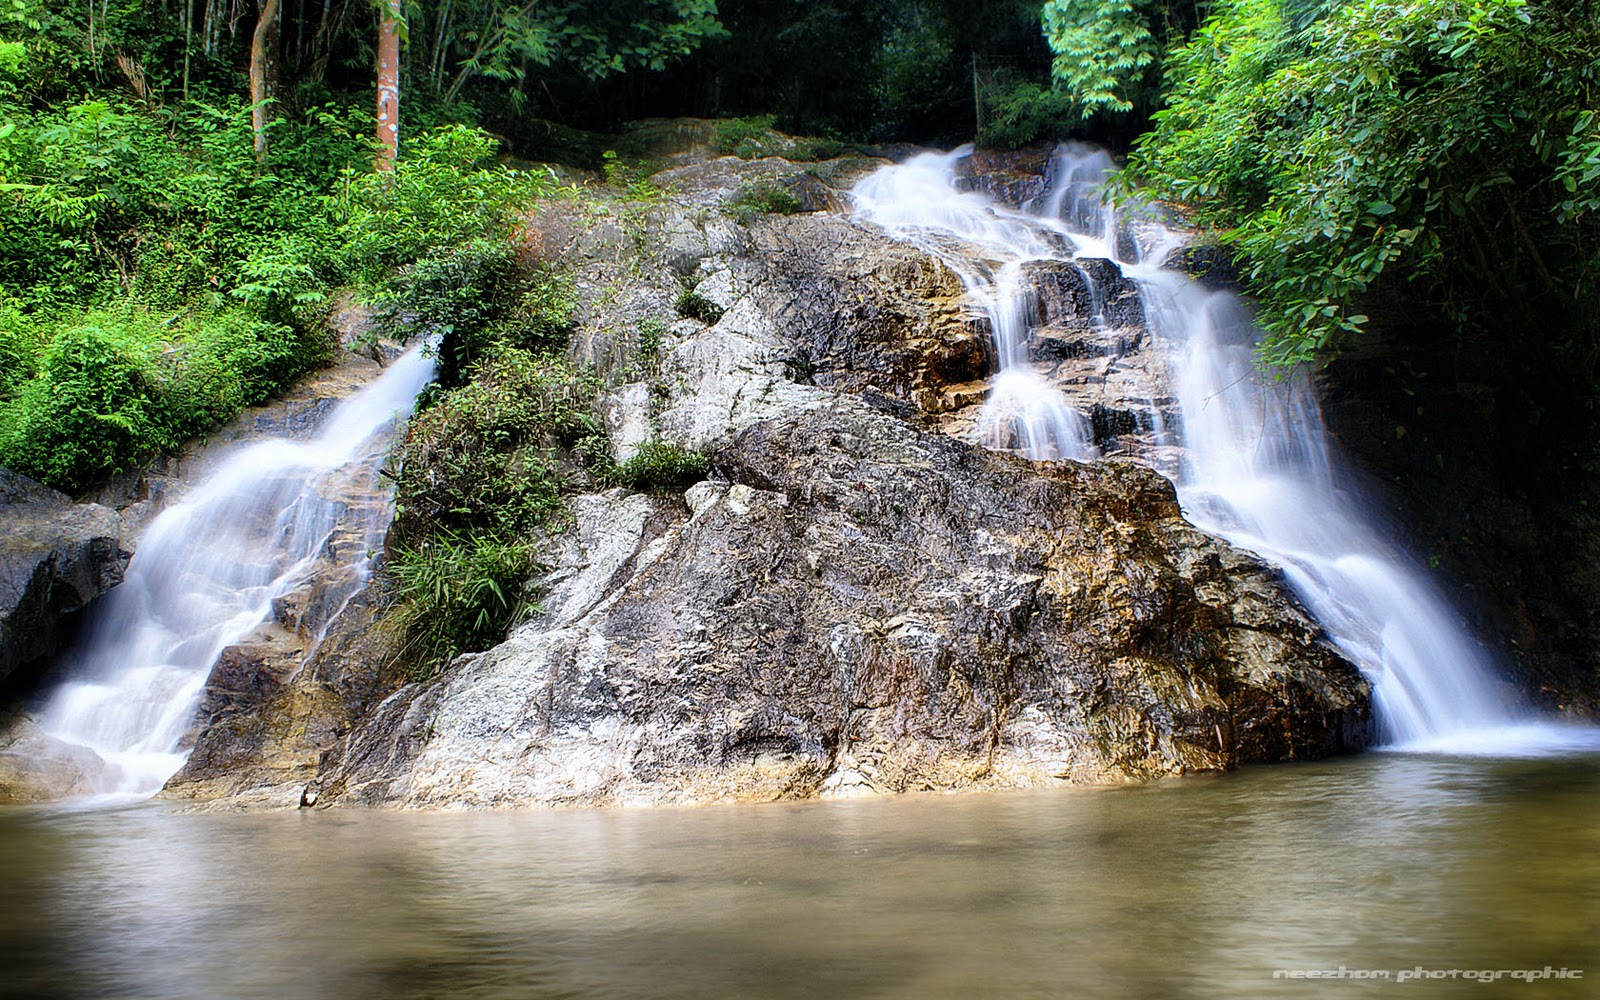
x=659 y=468
x=632 y=178
x=692 y=305
x=647 y=360
x=761 y=198
x=457 y=593
x=742 y=137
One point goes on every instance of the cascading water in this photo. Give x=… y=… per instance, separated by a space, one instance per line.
x=208 y=570
x=1257 y=467
x=918 y=201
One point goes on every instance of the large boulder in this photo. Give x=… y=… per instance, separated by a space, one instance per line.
x=56 y=557
x=854 y=602
x=860 y=606
x=35 y=767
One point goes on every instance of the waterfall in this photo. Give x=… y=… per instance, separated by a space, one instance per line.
x=918 y=201
x=208 y=569
x=1255 y=463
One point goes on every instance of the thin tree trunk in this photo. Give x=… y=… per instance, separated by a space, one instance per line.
x=263 y=73
x=321 y=44
x=388 y=84
x=188 y=41
x=300 y=35
x=436 y=64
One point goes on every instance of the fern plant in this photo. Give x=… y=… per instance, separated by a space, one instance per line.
x=456 y=593
x=1102 y=51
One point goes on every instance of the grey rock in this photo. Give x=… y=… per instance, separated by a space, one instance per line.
x=857 y=601
x=35 y=767
x=56 y=557
x=860 y=605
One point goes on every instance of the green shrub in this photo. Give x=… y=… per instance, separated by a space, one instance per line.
x=481 y=471
x=496 y=454
x=743 y=137
x=21 y=345
x=1027 y=112
x=472 y=298
x=692 y=305
x=541 y=319
x=441 y=193
x=91 y=411
x=761 y=198
x=117 y=386
x=457 y=593
x=661 y=468
x=454 y=295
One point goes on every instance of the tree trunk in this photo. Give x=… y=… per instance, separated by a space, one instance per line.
x=263 y=73
x=388 y=84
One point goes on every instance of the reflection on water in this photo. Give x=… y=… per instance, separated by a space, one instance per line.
x=1194 y=888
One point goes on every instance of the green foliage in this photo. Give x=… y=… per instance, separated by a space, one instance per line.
x=457 y=593
x=454 y=296
x=541 y=319
x=1028 y=113
x=1344 y=144
x=109 y=210
x=115 y=387
x=761 y=198
x=1103 y=48
x=482 y=470
x=647 y=358
x=661 y=468
x=632 y=178
x=598 y=38
x=495 y=454
x=472 y=299
x=746 y=138
x=692 y=305
x=442 y=193
x=21 y=346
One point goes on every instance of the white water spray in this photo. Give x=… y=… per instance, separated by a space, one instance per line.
x=208 y=570
x=987 y=247
x=1258 y=468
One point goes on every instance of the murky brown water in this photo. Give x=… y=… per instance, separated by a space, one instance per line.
x=1196 y=888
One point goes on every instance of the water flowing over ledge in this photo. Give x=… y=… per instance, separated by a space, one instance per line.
x=1252 y=463
x=208 y=571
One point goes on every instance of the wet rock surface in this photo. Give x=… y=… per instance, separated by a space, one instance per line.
x=56 y=557
x=858 y=604
x=35 y=767
x=854 y=602
x=277 y=703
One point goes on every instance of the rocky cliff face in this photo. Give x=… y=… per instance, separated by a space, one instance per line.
x=56 y=557
x=856 y=600
x=857 y=606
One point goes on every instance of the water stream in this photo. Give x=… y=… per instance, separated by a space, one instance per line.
x=1256 y=463
x=1200 y=889
x=208 y=569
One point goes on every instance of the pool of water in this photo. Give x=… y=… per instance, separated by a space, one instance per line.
x=1201 y=887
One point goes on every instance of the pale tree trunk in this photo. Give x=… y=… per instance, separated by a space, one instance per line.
x=388 y=83
x=263 y=73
